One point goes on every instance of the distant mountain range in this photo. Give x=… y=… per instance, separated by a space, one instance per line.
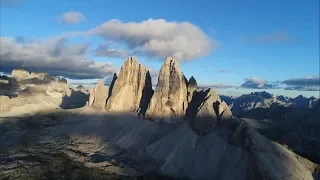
x=263 y=105
x=291 y=121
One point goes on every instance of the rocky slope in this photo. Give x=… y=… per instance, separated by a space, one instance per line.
x=113 y=145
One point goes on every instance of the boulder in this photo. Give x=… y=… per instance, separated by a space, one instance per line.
x=169 y=101
x=132 y=88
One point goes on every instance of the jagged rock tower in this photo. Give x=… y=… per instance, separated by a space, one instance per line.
x=132 y=89
x=169 y=100
x=98 y=96
x=192 y=86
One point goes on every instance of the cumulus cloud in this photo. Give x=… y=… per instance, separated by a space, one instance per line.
x=257 y=83
x=55 y=56
x=72 y=17
x=215 y=86
x=310 y=83
x=158 y=38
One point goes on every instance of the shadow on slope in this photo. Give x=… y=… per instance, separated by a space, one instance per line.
x=99 y=145
x=74 y=145
x=77 y=99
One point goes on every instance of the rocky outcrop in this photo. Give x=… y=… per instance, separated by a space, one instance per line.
x=192 y=86
x=35 y=91
x=132 y=88
x=21 y=78
x=206 y=111
x=98 y=96
x=169 y=100
x=225 y=114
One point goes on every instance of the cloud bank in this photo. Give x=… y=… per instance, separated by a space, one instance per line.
x=55 y=56
x=310 y=83
x=157 y=38
x=257 y=83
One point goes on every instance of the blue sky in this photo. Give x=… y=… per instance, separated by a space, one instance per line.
x=272 y=41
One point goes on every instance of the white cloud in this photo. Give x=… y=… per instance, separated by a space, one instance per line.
x=72 y=17
x=257 y=83
x=55 y=56
x=158 y=38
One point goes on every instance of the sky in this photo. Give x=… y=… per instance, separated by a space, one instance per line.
x=234 y=47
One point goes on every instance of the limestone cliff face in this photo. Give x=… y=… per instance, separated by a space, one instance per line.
x=169 y=100
x=132 y=88
x=98 y=96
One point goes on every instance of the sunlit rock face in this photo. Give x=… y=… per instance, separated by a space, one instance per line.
x=91 y=97
x=38 y=91
x=132 y=89
x=21 y=78
x=169 y=101
x=98 y=96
